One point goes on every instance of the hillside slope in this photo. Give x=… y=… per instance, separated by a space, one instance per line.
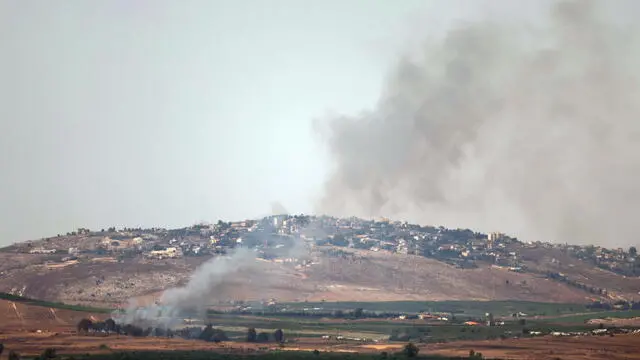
x=555 y=260
x=353 y=275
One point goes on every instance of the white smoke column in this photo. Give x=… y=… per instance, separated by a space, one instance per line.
x=533 y=129
x=197 y=294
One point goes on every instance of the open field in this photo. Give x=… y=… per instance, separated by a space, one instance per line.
x=592 y=347
x=20 y=316
x=581 y=318
x=279 y=355
x=50 y=304
x=30 y=326
x=462 y=308
x=429 y=331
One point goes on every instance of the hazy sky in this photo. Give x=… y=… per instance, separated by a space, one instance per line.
x=165 y=113
x=170 y=112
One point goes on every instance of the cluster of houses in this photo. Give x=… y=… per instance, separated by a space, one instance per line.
x=621 y=261
x=459 y=247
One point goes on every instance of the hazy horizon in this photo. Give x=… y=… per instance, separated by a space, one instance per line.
x=167 y=113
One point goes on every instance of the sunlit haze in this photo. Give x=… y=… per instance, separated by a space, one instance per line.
x=165 y=113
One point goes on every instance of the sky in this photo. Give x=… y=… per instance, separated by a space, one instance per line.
x=167 y=113
x=522 y=124
x=159 y=113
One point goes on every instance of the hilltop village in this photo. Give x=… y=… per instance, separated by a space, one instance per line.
x=462 y=248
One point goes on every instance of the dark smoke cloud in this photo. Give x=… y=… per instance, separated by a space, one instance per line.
x=532 y=129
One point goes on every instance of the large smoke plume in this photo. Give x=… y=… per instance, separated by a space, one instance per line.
x=531 y=129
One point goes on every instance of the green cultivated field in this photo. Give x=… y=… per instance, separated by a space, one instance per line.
x=558 y=317
x=462 y=308
x=582 y=318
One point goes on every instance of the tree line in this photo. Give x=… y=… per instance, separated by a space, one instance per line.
x=208 y=333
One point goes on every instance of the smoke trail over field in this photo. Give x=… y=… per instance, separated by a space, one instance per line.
x=533 y=130
x=206 y=286
x=196 y=295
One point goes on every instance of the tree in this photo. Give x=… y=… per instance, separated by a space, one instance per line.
x=84 y=325
x=49 y=353
x=110 y=325
x=339 y=240
x=262 y=337
x=411 y=350
x=132 y=330
x=219 y=335
x=358 y=313
x=252 y=335
x=207 y=333
x=278 y=335
x=633 y=251
x=211 y=334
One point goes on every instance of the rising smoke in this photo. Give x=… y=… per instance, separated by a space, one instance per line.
x=204 y=288
x=195 y=297
x=533 y=130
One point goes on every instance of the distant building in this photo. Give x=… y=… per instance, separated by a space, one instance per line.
x=170 y=252
x=42 y=251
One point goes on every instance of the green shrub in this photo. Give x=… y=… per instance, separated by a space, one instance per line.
x=252 y=336
x=49 y=353
x=263 y=337
x=410 y=350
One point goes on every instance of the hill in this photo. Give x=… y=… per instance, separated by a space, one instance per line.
x=343 y=260
x=353 y=275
